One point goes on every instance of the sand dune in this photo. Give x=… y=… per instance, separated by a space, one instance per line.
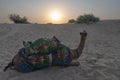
x=100 y=59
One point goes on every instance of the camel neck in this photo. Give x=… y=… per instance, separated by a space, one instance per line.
x=81 y=45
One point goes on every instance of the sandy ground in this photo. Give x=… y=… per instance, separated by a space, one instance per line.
x=100 y=59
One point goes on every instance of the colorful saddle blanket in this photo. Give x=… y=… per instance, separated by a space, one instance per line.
x=42 y=46
x=35 y=55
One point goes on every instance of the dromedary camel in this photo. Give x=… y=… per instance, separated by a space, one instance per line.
x=62 y=56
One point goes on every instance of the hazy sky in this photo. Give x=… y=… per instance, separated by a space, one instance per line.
x=38 y=11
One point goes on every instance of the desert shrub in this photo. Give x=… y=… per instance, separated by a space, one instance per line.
x=17 y=19
x=72 y=21
x=87 y=19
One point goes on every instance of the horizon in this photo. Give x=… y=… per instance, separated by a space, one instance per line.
x=58 y=11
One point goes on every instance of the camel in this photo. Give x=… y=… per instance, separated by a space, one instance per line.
x=74 y=54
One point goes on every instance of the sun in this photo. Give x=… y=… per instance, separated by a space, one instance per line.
x=56 y=16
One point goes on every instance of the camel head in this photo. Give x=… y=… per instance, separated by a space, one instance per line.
x=83 y=34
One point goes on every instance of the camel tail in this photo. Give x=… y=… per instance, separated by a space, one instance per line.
x=9 y=65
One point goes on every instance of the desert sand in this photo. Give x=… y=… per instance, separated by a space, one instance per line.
x=100 y=59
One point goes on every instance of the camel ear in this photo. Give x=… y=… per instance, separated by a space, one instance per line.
x=84 y=31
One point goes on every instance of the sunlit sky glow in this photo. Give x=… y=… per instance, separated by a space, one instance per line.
x=55 y=15
x=58 y=11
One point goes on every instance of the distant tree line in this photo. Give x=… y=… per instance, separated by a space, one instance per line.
x=86 y=18
x=17 y=19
